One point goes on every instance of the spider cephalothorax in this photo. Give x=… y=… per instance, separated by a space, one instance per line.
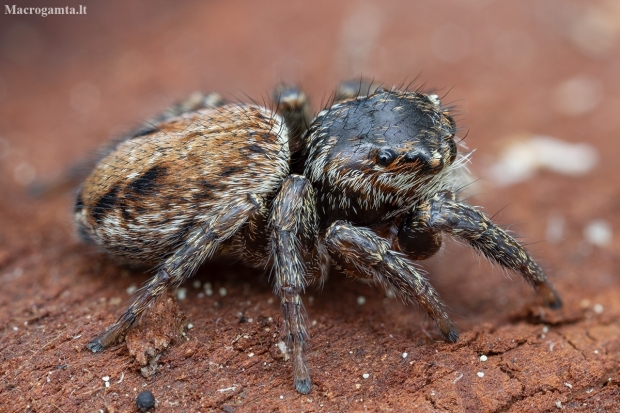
x=377 y=176
x=373 y=158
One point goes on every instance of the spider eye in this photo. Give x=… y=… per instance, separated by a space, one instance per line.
x=385 y=157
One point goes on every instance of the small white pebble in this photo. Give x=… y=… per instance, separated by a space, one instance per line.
x=281 y=397
x=181 y=294
x=105 y=378
x=190 y=326
x=483 y=358
x=314 y=323
x=251 y=355
x=598 y=232
x=595 y=351
x=361 y=300
x=405 y=355
x=545 y=329
x=15 y=328
x=365 y=375
x=598 y=308
x=558 y=404
x=570 y=386
x=223 y=291
x=196 y=284
x=480 y=374
x=131 y=289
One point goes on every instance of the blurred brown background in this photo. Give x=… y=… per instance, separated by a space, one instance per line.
x=537 y=91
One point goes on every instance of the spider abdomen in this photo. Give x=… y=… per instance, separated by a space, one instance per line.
x=151 y=190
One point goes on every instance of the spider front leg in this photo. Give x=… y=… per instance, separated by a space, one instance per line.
x=445 y=213
x=198 y=246
x=294 y=229
x=363 y=254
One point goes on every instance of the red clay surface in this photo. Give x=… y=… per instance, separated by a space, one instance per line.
x=68 y=83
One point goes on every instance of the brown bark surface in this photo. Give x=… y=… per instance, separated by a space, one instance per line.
x=513 y=70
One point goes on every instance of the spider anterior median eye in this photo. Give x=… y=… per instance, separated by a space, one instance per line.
x=385 y=157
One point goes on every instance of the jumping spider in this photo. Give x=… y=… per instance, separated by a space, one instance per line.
x=367 y=185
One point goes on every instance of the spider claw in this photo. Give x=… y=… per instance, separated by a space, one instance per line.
x=95 y=346
x=551 y=297
x=448 y=331
x=303 y=386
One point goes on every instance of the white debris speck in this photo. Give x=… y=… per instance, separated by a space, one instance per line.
x=281 y=397
x=358 y=386
x=361 y=300
x=459 y=377
x=578 y=95
x=598 y=232
x=405 y=355
x=311 y=299
x=558 y=404
x=122 y=377
x=225 y=389
x=483 y=358
x=181 y=294
x=251 y=355
x=24 y=173
x=223 y=292
x=520 y=160
x=480 y=374
x=551 y=345
x=208 y=289
x=190 y=326
x=389 y=293
x=595 y=351
x=590 y=390
x=131 y=289
x=555 y=228
x=598 y=308
x=282 y=347
x=545 y=329
x=570 y=386
x=365 y=375
x=106 y=380
x=196 y=284
x=15 y=328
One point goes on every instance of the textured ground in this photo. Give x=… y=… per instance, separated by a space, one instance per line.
x=515 y=70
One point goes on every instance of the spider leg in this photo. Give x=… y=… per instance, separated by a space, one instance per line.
x=353 y=88
x=198 y=246
x=293 y=104
x=293 y=235
x=363 y=254
x=193 y=102
x=462 y=221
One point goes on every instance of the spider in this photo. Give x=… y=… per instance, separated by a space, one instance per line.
x=368 y=186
